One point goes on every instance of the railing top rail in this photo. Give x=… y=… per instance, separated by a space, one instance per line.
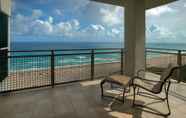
x=66 y=50
x=162 y=52
x=88 y=49
x=65 y=54
x=157 y=50
x=87 y=53
x=164 y=49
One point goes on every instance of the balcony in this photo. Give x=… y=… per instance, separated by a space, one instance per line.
x=79 y=100
x=65 y=83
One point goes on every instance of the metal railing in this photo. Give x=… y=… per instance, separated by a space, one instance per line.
x=157 y=59
x=42 y=68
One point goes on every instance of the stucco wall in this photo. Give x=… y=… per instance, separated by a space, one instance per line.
x=5 y=6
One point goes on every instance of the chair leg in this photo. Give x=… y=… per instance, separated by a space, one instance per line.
x=165 y=89
x=134 y=96
x=167 y=98
x=137 y=91
x=169 y=111
x=124 y=90
x=101 y=85
x=111 y=86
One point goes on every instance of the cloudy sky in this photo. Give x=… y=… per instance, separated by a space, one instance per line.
x=82 y=20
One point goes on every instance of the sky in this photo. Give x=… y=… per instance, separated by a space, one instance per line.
x=87 y=21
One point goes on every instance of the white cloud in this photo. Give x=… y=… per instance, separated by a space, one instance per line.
x=159 y=33
x=75 y=24
x=40 y=27
x=115 y=31
x=67 y=28
x=35 y=25
x=32 y=24
x=58 y=12
x=160 y=10
x=98 y=27
x=77 y=4
x=36 y=13
x=20 y=24
x=51 y=19
x=112 y=16
x=184 y=5
x=93 y=29
x=94 y=32
x=64 y=28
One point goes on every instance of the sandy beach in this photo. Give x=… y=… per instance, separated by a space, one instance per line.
x=41 y=77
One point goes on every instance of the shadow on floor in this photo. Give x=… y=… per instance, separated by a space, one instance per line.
x=78 y=100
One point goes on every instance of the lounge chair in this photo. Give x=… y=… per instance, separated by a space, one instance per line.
x=154 y=87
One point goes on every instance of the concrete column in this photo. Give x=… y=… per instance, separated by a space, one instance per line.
x=134 y=36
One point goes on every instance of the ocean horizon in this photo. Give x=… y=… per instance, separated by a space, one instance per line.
x=35 y=45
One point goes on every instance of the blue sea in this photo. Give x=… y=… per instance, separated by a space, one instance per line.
x=86 y=45
x=30 y=60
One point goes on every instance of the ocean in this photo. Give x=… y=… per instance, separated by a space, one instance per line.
x=86 y=45
x=30 y=61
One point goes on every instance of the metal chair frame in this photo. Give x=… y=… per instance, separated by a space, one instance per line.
x=166 y=84
x=117 y=83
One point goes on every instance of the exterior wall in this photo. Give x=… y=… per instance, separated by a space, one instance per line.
x=5 y=10
x=5 y=6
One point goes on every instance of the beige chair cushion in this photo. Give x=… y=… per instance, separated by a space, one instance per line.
x=122 y=79
x=155 y=86
x=145 y=84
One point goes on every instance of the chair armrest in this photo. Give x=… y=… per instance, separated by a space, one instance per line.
x=152 y=82
x=139 y=71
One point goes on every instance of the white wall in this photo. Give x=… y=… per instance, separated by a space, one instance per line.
x=5 y=6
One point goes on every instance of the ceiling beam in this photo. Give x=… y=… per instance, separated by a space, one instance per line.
x=156 y=3
x=112 y=2
x=149 y=3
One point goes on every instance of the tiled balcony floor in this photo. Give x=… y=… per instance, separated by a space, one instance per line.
x=80 y=100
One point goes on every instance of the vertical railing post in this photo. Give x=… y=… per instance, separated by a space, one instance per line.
x=179 y=63
x=52 y=68
x=92 y=64
x=122 y=61
x=146 y=52
x=179 y=58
